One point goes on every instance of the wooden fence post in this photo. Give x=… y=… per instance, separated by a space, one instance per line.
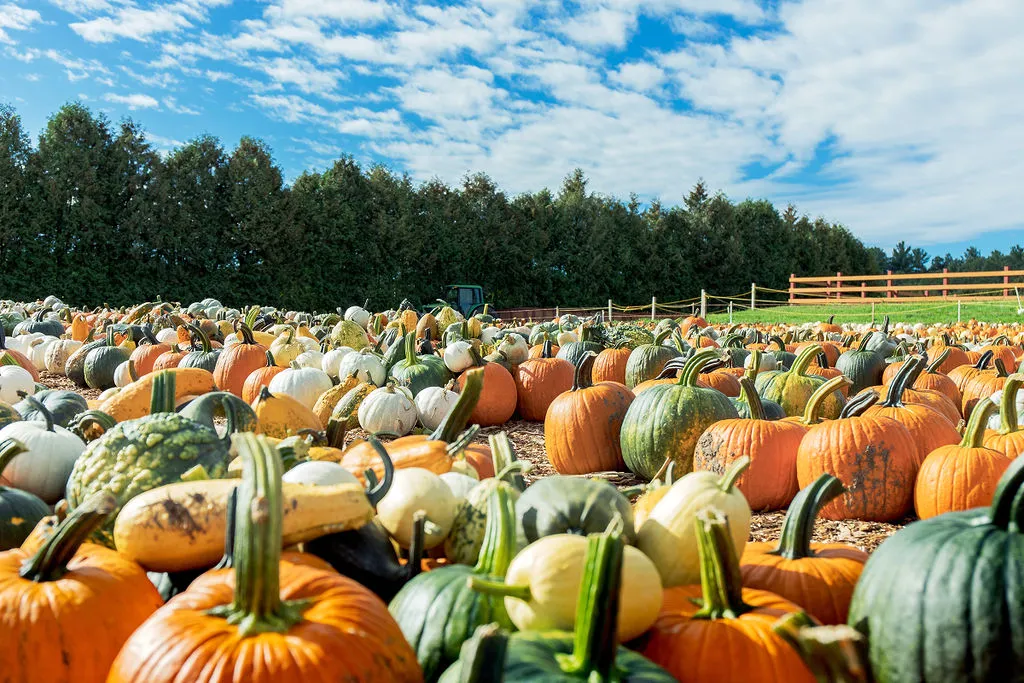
x=888 y=284
x=839 y=286
x=753 y=295
x=792 y=288
x=945 y=283
x=703 y=304
x=863 y=291
x=557 y=314
x=1006 y=281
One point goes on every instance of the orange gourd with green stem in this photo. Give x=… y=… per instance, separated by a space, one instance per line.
x=498 y=396
x=539 y=381
x=982 y=385
x=1009 y=438
x=236 y=362
x=820 y=577
x=610 y=365
x=932 y=379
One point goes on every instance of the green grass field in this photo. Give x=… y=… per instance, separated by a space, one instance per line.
x=985 y=311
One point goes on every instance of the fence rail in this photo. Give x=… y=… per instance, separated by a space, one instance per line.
x=994 y=285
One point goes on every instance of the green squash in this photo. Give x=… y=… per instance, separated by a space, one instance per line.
x=8 y=414
x=589 y=654
x=419 y=372
x=647 y=361
x=438 y=611
x=239 y=415
x=396 y=349
x=777 y=348
x=9 y=320
x=74 y=368
x=666 y=420
x=20 y=511
x=576 y=351
x=350 y=334
x=571 y=505
x=880 y=342
x=100 y=365
x=862 y=366
x=792 y=389
x=941 y=598
x=63 y=406
x=543 y=332
x=138 y=455
x=629 y=336
x=39 y=323
x=744 y=403
x=205 y=356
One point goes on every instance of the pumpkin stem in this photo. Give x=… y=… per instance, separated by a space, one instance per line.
x=691 y=371
x=755 y=364
x=51 y=560
x=86 y=424
x=863 y=345
x=1007 y=405
x=499 y=544
x=38 y=406
x=545 y=351
x=162 y=398
x=750 y=397
x=377 y=489
x=834 y=654
x=904 y=379
x=974 y=435
x=454 y=422
x=803 y=360
x=597 y=609
x=9 y=449
x=983 y=360
x=1000 y=368
x=859 y=404
x=257 y=606
x=499 y=588
x=227 y=561
x=482 y=657
x=720 y=578
x=795 y=541
x=812 y=411
x=582 y=378
x=822 y=359
x=736 y=468
x=504 y=456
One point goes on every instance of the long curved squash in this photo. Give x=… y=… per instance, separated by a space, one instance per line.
x=132 y=401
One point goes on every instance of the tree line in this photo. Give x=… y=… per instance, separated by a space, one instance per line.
x=93 y=213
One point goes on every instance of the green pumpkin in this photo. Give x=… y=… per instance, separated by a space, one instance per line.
x=543 y=332
x=419 y=372
x=647 y=361
x=63 y=406
x=203 y=357
x=438 y=611
x=39 y=323
x=571 y=505
x=880 y=342
x=100 y=365
x=777 y=348
x=589 y=654
x=941 y=598
x=862 y=366
x=745 y=408
x=138 y=455
x=666 y=420
x=792 y=389
x=74 y=368
x=8 y=414
x=9 y=320
x=20 y=511
x=576 y=351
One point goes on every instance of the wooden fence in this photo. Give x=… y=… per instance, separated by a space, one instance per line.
x=991 y=285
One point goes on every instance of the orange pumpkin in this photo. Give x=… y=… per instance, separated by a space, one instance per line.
x=1009 y=438
x=875 y=457
x=581 y=428
x=147 y=352
x=722 y=380
x=955 y=357
x=498 y=397
x=721 y=632
x=1001 y=350
x=69 y=606
x=962 y=374
x=80 y=328
x=267 y=620
x=236 y=363
x=539 y=381
x=259 y=378
x=982 y=385
x=770 y=481
x=929 y=428
x=961 y=476
x=610 y=365
x=934 y=380
x=819 y=577
x=537 y=351
x=167 y=359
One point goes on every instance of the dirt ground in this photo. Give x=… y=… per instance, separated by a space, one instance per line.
x=528 y=440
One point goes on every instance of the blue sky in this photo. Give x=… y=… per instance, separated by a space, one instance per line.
x=899 y=118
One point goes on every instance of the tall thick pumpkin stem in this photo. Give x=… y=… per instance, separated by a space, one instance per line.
x=834 y=654
x=162 y=398
x=803 y=361
x=974 y=435
x=904 y=379
x=812 y=411
x=798 y=527
x=51 y=561
x=1008 y=417
x=582 y=379
x=257 y=606
x=720 y=578
x=691 y=370
x=454 y=422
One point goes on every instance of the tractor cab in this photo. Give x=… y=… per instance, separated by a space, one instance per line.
x=467 y=299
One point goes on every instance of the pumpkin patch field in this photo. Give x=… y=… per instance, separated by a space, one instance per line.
x=200 y=493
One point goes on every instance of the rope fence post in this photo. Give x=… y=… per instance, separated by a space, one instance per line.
x=958 y=304
x=557 y=314
x=730 y=313
x=654 y=305
x=609 y=310
x=703 y=304
x=753 y=295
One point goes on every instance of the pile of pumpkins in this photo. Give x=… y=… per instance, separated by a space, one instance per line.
x=225 y=518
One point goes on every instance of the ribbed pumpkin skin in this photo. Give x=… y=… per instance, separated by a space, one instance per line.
x=666 y=420
x=864 y=368
x=770 y=481
x=953 y=478
x=610 y=365
x=145 y=355
x=955 y=359
x=539 y=381
x=346 y=634
x=941 y=599
x=646 y=362
x=100 y=365
x=723 y=381
x=929 y=429
x=582 y=429
x=874 y=457
x=823 y=585
x=575 y=352
x=935 y=381
x=258 y=379
x=236 y=363
x=980 y=386
x=724 y=650
x=498 y=398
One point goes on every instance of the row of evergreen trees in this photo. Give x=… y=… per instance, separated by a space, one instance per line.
x=94 y=214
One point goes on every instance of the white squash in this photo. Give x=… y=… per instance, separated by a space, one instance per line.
x=123 y=375
x=37 y=352
x=308 y=343
x=414 y=489
x=311 y=359
x=319 y=473
x=51 y=453
x=332 y=360
x=285 y=349
x=389 y=410
x=768 y=362
x=668 y=536
x=458 y=355
x=515 y=348
x=566 y=337
x=305 y=385
x=168 y=335
x=57 y=354
x=359 y=315
x=489 y=334
x=13 y=379
x=994 y=420
x=365 y=364
x=459 y=484
x=433 y=403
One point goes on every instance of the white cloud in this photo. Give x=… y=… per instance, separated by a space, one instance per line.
x=163 y=144
x=133 y=101
x=356 y=11
x=139 y=24
x=15 y=18
x=157 y=80
x=602 y=27
x=172 y=105
x=32 y=78
x=640 y=76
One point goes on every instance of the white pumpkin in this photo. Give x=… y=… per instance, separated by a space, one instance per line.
x=168 y=335
x=311 y=359
x=359 y=315
x=489 y=333
x=414 y=489
x=305 y=385
x=57 y=354
x=308 y=343
x=433 y=403
x=567 y=337
x=668 y=536
x=459 y=484
x=995 y=421
x=389 y=410
x=515 y=348
x=285 y=349
x=768 y=362
x=319 y=473
x=458 y=355
x=13 y=379
x=365 y=364
x=123 y=375
x=332 y=360
x=37 y=352
x=45 y=467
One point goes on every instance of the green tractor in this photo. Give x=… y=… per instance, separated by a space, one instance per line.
x=467 y=299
